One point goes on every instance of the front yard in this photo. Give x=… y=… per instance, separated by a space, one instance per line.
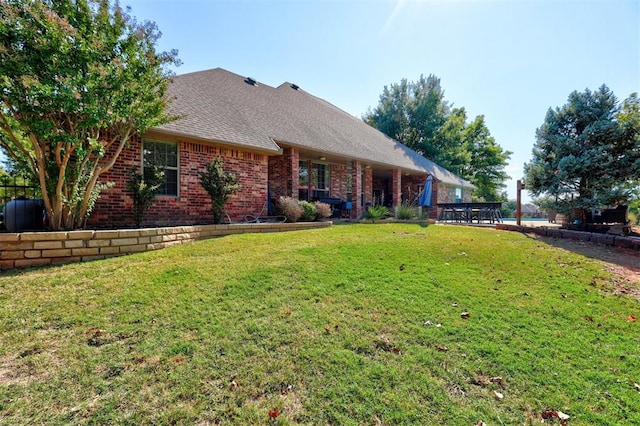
x=354 y=324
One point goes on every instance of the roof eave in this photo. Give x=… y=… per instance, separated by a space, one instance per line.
x=159 y=131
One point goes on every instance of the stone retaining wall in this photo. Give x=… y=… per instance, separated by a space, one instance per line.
x=594 y=237
x=48 y=248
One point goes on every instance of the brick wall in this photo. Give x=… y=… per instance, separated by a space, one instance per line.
x=283 y=174
x=49 y=248
x=338 y=181
x=193 y=206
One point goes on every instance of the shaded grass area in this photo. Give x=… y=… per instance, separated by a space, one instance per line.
x=354 y=324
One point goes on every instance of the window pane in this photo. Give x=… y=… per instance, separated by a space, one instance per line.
x=320 y=177
x=172 y=156
x=303 y=173
x=171 y=182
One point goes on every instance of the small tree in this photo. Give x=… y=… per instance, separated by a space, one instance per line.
x=220 y=185
x=78 y=80
x=143 y=190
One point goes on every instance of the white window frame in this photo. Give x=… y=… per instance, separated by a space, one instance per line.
x=176 y=167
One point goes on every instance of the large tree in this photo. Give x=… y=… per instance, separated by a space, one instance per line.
x=587 y=153
x=78 y=80
x=417 y=114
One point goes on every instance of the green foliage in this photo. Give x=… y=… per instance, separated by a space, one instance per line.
x=290 y=208
x=67 y=118
x=309 y=211
x=416 y=114
x=323 y=210
x=374 y=213
x=587 y=153
x=143 y=190
x=406 y=211
x=230 y=328
x=220 y=185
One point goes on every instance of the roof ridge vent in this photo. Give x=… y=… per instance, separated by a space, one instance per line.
x=251 y=81
x=295 y=86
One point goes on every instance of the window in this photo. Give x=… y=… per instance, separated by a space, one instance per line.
x=164 y=155
x=321 y=180
x=303 y=180
x=458 y=195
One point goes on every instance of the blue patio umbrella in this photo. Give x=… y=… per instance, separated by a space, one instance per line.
x=427 y=192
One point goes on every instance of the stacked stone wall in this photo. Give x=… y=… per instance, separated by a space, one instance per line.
x=19 y=250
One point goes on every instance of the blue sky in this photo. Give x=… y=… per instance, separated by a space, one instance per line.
x=507 y=60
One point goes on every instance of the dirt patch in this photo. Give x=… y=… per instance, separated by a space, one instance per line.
x=623 y=263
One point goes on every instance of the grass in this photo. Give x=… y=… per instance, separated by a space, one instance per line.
x=331 y=326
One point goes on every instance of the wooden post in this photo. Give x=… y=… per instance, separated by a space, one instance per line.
x=518 y=202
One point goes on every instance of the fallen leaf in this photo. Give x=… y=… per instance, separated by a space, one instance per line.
x=288 y=313
x=454 y=304
x=549 y=414
x=233 y=384
x=636 y=386
x=481 y=423
x=497 y=379
x=402 y=267
x=442 y=348
x=631 y=318
x=327 y=330
x=498 y=395
x=480 y=381
x=563 y=416
x=396 y=351
x=274 y=413
x=590 y=319
x=465 y=315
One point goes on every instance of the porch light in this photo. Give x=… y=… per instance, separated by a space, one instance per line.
x=367 y=166
x=322 y=158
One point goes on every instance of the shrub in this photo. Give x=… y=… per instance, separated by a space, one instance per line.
x=375 y=213
x=406 y=211
x=143 y=190
x=308 y=211
x=220 y=185
x=323 y=210
x=290 y=208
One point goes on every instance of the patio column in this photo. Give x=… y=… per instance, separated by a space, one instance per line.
x=293 y=164
x=396 y=187
x=356 y=188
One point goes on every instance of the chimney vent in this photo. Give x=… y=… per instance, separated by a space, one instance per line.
x=294 y=86
x=250 y=81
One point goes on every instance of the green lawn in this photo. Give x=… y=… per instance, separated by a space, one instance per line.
x=354 y=324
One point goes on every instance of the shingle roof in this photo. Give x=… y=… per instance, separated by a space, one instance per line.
x=219 y=105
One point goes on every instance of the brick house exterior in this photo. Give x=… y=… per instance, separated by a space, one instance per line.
x=279 y=142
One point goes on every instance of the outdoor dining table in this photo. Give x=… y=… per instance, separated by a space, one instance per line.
x=468 y=212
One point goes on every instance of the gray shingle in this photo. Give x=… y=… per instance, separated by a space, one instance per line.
x=219 y=105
